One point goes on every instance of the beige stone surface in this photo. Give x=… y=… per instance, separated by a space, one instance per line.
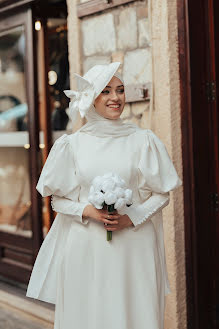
x=166 y=124
x=142 y=11
x=144 y=121
x=93 y=60
x=118 y=56
x=139 y=107
x=74 y=49
x=143 y=33
x=137 y=66
x=98 y=35
x=140 y=111
x=126 y=112
x=74 y=44
x=127 y=29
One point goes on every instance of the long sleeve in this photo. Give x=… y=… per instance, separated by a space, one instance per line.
x=156 y=177
x=58 y=178
x=68 y=207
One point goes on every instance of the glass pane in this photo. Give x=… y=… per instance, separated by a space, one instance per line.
x=13 y=106
x=14 y=156
x=58 y=75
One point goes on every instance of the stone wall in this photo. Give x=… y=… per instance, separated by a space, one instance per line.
x=120 y=34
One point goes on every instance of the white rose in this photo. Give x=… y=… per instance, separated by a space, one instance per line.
x=91 y=190
x=119 y=181
x=120 y=203
x=119 y=192
x=108 y=185
x=128 y=195
x=97 y=183
x=110 y=197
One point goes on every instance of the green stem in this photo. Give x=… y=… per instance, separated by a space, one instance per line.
x=110 y=209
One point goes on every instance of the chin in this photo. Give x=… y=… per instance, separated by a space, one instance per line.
x=114 y=117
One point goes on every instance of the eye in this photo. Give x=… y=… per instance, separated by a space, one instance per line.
x=121 y=91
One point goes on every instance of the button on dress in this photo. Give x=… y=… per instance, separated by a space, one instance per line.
x=95 y=283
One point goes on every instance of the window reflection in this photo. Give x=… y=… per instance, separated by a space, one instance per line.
x=15 y=193
x=15 y=202
x=13 y=107
x=58 y=74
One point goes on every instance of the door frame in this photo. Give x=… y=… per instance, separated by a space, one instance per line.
x=188 y=166
x=190 y=220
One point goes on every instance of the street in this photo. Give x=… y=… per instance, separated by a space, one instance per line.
x=14 y=319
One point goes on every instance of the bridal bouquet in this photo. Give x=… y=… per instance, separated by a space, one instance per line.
x=109 y=191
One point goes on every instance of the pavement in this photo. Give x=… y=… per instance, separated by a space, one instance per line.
x=19 y=312
x=14 y=319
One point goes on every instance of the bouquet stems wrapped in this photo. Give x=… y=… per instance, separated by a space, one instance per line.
x=111 y=210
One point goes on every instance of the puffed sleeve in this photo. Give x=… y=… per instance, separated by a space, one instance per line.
x=58 y=178
x=156 y=178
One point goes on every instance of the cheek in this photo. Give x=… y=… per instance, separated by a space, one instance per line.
x=100 y=101
x=123 y=97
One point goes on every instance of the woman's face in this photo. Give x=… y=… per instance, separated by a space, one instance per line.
x=111 y=101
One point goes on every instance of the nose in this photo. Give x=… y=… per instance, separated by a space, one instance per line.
x=114 y=95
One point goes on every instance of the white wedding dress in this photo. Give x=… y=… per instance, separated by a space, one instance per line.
x=95 y=283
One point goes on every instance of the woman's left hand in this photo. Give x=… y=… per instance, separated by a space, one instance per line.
x=123 y=222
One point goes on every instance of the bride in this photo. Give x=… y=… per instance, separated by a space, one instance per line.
x=94 y=283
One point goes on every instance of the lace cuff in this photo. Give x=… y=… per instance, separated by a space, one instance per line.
x=69 y=207
x=139 y=214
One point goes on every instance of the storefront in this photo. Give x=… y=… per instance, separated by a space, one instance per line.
x=33 y=46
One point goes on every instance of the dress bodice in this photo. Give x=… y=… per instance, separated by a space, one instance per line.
x=95 y=156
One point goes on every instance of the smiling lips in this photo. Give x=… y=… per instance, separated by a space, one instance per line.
x=114 y=106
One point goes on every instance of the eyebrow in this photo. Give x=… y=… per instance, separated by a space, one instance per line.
x=116 y=86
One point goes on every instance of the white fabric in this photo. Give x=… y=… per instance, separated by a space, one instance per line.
x=82 y=99
x=101 y=127
x=89 y=87
x=98 y=284
x=100 y=75
x=119 y=76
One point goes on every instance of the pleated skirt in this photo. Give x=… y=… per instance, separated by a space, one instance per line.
x=115 y=284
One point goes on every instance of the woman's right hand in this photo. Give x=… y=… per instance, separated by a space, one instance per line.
x=100 y=215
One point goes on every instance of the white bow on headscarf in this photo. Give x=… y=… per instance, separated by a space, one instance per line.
x=81 y=100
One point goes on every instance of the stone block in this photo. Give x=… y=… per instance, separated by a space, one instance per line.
x=118 y=57
x=143 y=33
x=127 y=29
x=144 y=121
x=126 y=112
x=93 y=60
x=98 y=35
x=142 y=11
x=139 y=108
x=133 y=120
x=137 y=66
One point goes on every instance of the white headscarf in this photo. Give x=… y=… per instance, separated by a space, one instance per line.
x=89 y=88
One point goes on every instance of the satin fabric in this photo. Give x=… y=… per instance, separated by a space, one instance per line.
x=102 y=127
x=67 y=174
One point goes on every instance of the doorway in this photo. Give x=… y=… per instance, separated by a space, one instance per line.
x=199 y=72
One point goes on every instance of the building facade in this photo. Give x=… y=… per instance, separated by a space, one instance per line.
x=169 y=52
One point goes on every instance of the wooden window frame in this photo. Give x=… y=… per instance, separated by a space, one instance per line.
x=97 y=6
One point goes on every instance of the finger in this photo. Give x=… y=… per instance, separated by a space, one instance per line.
x=111 y=216
x=110 y=222
x=110 y=228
